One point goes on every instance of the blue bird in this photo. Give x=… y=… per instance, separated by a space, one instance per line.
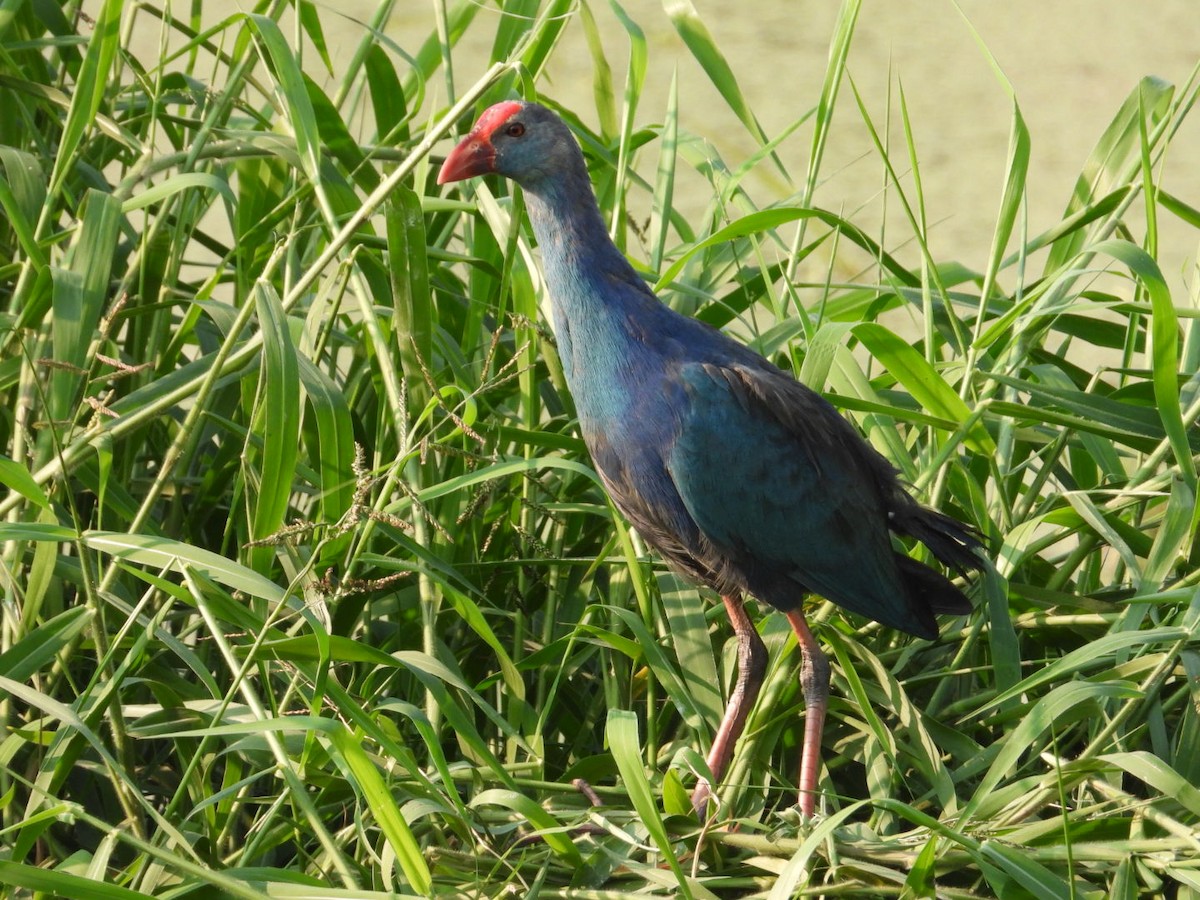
x=738 y=475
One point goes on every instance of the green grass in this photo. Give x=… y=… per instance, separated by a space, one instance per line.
x=309 y=587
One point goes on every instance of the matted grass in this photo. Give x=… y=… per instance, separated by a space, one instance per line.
x=310 y=589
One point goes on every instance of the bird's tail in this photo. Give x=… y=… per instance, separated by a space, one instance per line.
x=930 y=589
x=954 y=544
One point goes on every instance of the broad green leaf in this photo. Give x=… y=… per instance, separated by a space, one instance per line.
x=538 y=47
x=333 y=648
x=292 y=95
x=635 y=75
x=688 y=630
x=89 y=88
x=621 y=733
x=603 y=93
x=36 y=531
x=835 y=70
x=822 y=349
x=333 y=454
x=311 y=21
x=277 y=419
x=80 y=292
x=543 y=823
x=1100 y=652
x=700 y=42
x=1035 y=878
x=411 y=298
x=471 y=615
x=1165 y=359
x=22 y=193
x=798 y=872
x=16 y=477
x=177 y=184
x=923 y=381
x=57 y=883
x=383 y=807
x=338 y=140
x=770 y=220
x=504 y=469
x=1017 y=168
x=1105 y=415
x=1114 y=156
x=1039 y=719
x=163 y=553
x=387 y=95
x=1151 y=770
x=38 y=649
x=663 y=670
x=664 y=182
x=921 y=880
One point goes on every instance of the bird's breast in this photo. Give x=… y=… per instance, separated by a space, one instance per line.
x=610 y=373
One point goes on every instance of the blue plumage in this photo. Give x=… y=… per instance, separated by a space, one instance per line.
x=740 y=476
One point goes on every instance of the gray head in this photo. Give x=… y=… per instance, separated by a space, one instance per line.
x=522 y=141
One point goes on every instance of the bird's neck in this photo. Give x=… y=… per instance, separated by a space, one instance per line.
x=599 y=307
x=582 y=265
x=570 y=229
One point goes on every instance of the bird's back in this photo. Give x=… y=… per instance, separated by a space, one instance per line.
x=739 y=475
x=746 y=480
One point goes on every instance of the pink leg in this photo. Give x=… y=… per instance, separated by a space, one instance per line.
x=814 y=683
x=752 y=668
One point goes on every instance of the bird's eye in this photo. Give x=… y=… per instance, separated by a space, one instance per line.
x=516 y=129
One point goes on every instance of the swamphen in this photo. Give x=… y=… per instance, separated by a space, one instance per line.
x=737 y=474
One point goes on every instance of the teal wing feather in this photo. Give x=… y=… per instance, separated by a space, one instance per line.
x=783 y=490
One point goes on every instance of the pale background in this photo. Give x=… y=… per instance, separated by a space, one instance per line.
x=1071 y=64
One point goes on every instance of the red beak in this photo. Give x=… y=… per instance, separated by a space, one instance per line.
x=474 y=155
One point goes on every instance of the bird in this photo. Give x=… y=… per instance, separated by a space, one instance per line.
x=738 y=475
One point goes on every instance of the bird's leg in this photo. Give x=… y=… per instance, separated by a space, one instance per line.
x=814 y=683
x=752 y=668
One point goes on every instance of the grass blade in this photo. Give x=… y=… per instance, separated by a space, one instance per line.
x=621 y=733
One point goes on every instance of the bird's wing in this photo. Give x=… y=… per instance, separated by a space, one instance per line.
x=775 y=478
